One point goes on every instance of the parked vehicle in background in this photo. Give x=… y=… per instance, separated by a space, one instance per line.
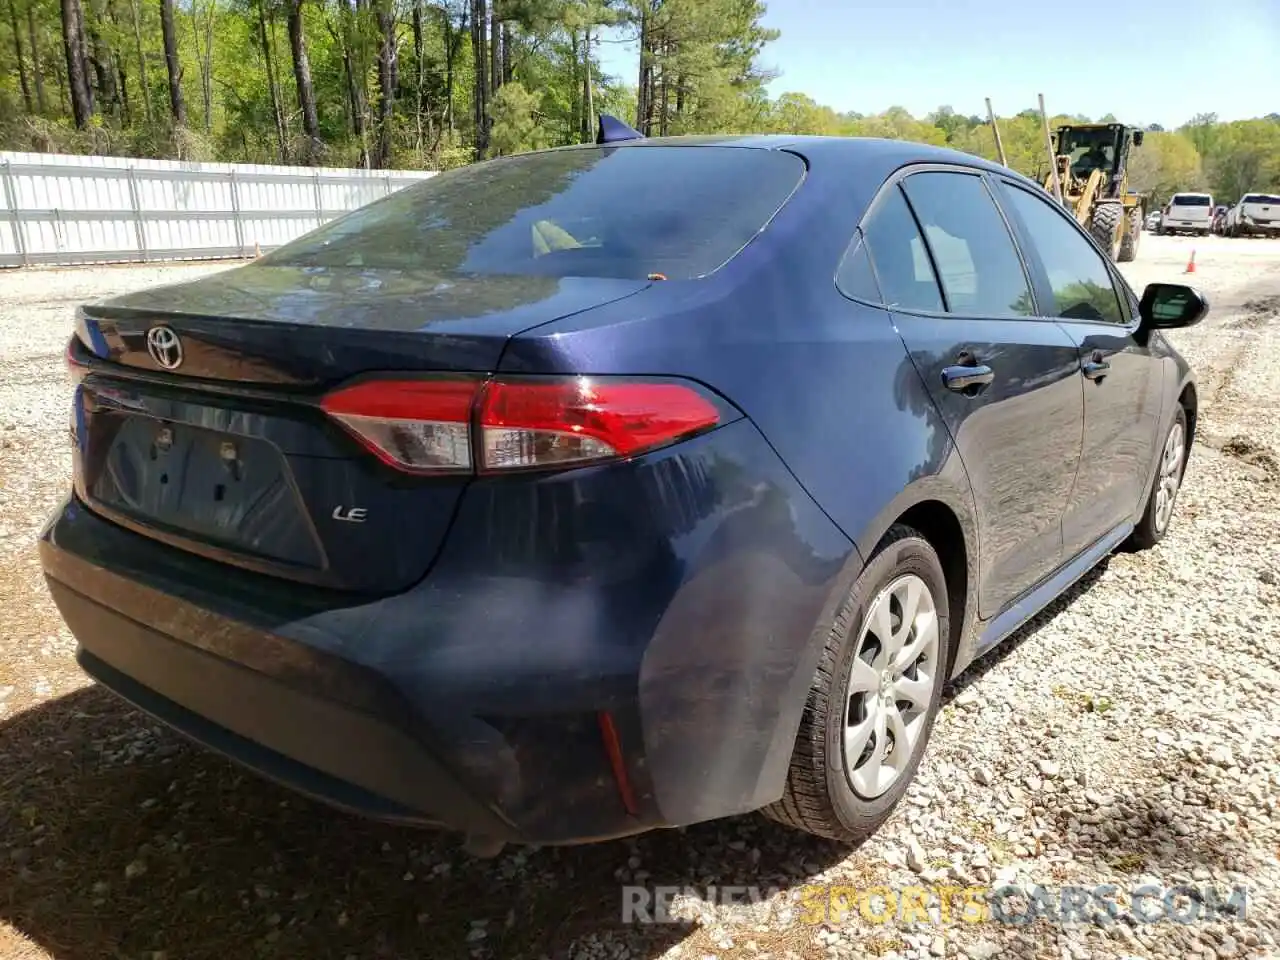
x=1190 y=213
x=609 y=488
x=1219 y=220
x=1256 y=215
x=1153 y=221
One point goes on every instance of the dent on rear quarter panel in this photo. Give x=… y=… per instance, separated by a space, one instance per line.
x=677 y=590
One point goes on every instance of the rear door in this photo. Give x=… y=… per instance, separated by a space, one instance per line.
x=1122 y=380
x=962 y=302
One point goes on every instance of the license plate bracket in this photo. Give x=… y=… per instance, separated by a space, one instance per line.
x=223 y=489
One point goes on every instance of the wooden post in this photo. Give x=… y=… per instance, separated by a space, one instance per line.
x=995 y=129
x=1048 y=145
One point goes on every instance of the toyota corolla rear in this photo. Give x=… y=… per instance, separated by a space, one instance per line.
x=320 y=526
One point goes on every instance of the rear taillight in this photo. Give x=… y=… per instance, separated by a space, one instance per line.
x=451 y=425
x=529 y=423
x=417 y=425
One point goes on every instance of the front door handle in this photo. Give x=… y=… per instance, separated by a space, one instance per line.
x=969 y=379
x=1095 y=368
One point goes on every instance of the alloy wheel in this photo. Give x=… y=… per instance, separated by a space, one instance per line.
x=1170 y=476
x=891 y=685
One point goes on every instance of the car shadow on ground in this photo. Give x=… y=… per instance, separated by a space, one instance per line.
x=117 y=839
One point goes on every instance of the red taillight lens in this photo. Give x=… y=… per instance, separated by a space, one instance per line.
x=527 y=424
x=417 y=425
x=431 y=425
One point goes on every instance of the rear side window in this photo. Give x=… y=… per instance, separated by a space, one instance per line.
x=619 y=212
x=1191 y=200
x=901 y=262
x=978 y=265
x=855 y=278
x=1081 y=283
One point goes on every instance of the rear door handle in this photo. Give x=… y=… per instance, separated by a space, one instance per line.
x=970 y=379
x=1095 y=368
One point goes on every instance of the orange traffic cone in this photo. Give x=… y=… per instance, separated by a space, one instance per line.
x=1191 y=264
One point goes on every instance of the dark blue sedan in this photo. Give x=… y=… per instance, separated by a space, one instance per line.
x=616 y=487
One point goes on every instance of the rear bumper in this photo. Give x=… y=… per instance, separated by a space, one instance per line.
x=680 y=609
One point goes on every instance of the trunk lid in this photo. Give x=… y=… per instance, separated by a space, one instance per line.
x=227 y=453
x=294 y=326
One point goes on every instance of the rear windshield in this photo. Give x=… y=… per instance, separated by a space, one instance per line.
x=1261 y=198
x=1191 y=200
x=620 y=212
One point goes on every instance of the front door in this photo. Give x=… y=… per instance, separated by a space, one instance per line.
x=1007 y=386
x=1122 y=385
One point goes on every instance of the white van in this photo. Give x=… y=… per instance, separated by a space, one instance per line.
x=1257 y=214
x=1188 y=213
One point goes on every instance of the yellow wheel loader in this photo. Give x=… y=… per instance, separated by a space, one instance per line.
x=1091 y=161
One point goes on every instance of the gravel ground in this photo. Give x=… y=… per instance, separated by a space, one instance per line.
x=1127 y=736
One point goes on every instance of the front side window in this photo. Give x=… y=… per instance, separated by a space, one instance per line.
x=1081 y=283
x=980 y=270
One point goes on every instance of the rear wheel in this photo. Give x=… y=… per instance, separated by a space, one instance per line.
x=874 y=697
x=1164 y=487
x=1105 y=227
x=1133 y=233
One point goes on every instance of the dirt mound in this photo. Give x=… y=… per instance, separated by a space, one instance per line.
x=1250 y=451
x=1257 y=314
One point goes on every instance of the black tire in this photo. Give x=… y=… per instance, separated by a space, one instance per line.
x=1105 y=224
x=819 y=797
x=1129 y=242
x=1149 y=530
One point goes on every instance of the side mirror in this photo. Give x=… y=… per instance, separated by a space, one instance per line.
x=1169 y=305
x=1137 y=137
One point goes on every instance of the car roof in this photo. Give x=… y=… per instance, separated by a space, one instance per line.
x=877 y=158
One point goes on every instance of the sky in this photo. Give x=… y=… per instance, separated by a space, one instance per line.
x=1146 y=61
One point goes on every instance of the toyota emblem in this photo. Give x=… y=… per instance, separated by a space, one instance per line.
x=165 y=347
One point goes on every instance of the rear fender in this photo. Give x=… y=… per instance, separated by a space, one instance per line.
x=950 y=488
x=794 y=689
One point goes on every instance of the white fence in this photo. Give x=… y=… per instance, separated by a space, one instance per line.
x=71 y=209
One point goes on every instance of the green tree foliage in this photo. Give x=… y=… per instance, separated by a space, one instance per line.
x=1165 y=164
x=515 y=124
x=438 y=83
x=1243 y=156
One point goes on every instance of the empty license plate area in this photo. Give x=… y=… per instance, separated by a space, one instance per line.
x=218 y=488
